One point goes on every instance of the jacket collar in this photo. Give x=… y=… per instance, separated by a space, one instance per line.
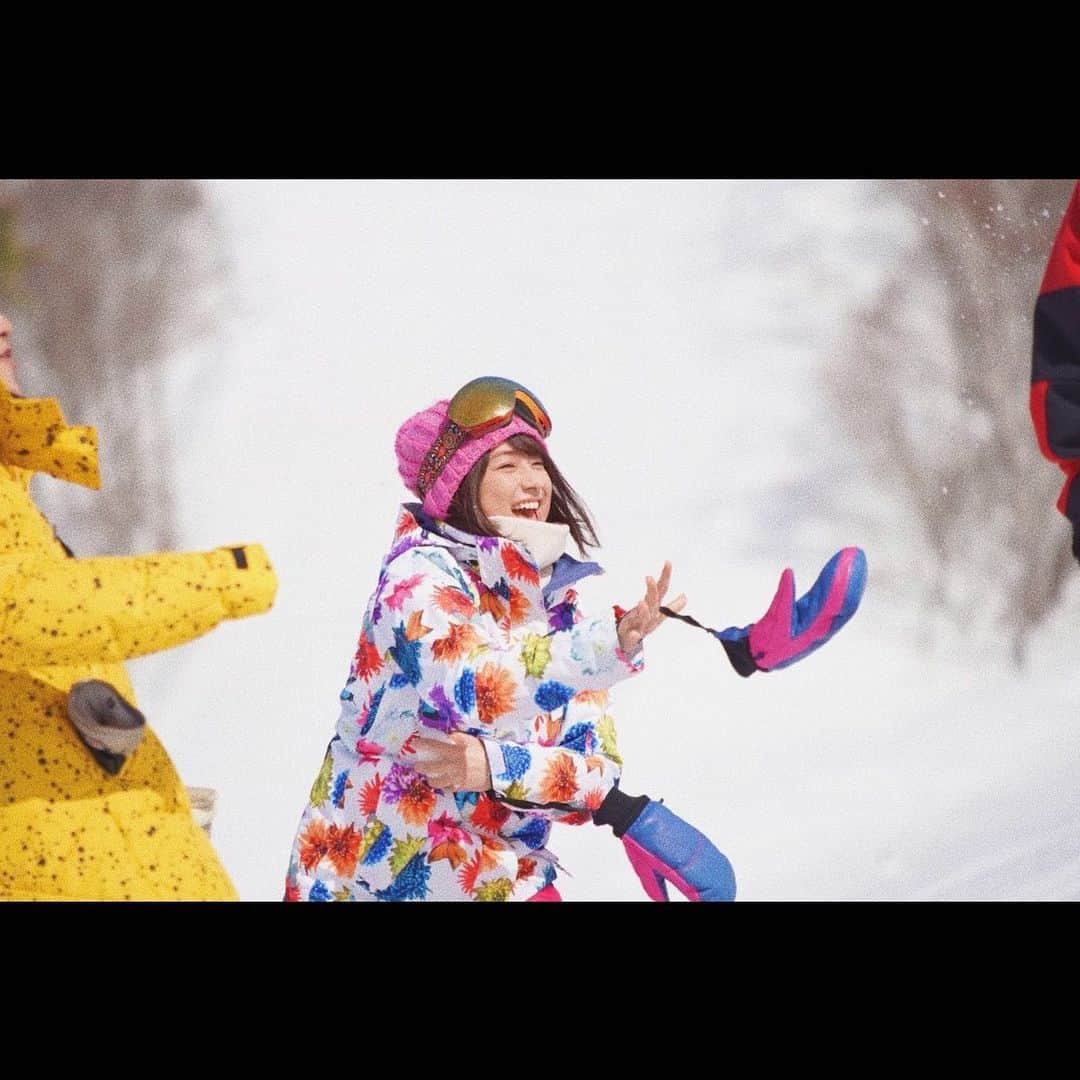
x=501 y=563
x=568 y=570
x=35 y=436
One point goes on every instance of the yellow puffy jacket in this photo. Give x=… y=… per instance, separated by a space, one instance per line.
x=68 y=829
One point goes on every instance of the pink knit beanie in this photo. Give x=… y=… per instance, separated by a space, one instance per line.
x=417 y=436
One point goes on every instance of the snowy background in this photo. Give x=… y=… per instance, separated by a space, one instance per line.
x=675 y=331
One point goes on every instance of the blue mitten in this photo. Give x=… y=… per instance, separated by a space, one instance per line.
x=792 y=629
x=662 y=847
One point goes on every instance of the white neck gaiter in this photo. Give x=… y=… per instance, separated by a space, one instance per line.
x=546 y=540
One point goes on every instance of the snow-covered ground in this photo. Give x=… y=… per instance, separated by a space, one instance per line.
x=674 y=330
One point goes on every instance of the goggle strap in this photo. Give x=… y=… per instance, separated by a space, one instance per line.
x=442 y=450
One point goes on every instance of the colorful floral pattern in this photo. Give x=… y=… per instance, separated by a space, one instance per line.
x=459 y=636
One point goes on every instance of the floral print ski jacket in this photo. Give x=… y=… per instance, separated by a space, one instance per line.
x=460 y=636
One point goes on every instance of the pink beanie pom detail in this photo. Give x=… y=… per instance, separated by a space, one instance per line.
x=417 y=436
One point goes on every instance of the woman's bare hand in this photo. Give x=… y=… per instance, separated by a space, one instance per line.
x=458 y=765
x=642 y=619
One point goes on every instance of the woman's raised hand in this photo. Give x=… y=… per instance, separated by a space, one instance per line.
x=645 y=616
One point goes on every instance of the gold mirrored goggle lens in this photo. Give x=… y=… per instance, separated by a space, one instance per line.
x=490 y=402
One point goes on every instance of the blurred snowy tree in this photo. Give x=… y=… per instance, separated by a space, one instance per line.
x=931 y=387
x=10 y=255
x=112 y=278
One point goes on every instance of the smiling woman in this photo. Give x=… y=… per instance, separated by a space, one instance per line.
x=475 y=714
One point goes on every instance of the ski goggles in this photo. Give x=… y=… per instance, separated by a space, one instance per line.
x=490 y=402
x=479 y=407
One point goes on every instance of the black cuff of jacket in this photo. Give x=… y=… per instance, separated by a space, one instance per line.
x=619 y=810
x=738 y=652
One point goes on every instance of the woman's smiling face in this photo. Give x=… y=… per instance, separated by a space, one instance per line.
x=515 y=484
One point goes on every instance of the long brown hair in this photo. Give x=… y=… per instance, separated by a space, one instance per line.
x=567 y=507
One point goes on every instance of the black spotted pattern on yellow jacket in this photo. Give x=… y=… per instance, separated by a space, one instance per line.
x=68 y=829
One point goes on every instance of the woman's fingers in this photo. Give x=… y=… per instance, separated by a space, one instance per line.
x=425 y=756
x=458 y=765
x=436 y=761
x=645 y=616
x=665 y=580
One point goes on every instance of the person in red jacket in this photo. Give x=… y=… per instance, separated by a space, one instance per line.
x=1055 y=363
